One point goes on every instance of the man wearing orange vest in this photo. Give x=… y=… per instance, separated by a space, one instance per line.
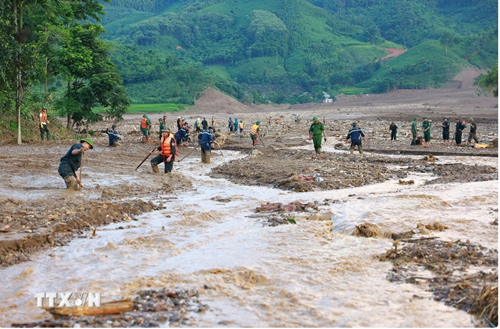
x=145 y=125
x=43 y=123
x=168 y=148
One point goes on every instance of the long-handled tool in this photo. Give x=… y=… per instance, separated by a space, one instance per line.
x=189 y=153
x=261 y=140
x=81 y=169
x=145 y=158
x=220 y=148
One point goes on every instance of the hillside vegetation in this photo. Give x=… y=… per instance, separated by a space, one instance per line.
x=276 y=50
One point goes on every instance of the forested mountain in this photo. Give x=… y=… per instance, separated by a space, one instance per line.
x=275 y=50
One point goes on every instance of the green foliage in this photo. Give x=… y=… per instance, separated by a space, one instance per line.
x=414 y=70
x=277 y=46
x=488 y=83
x=148 y=108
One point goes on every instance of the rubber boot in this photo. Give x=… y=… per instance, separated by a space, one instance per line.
x=360 y=150
x=155 y=168
x=203 y=157
x=71 y=183
x=208 y=154
x=352 y=150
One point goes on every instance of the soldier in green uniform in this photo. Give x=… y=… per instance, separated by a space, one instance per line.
x=317 y=133
x=426 y=125
x=163 y=126
x=414 y=131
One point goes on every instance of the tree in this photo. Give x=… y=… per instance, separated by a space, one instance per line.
x=489 y=82
x=447 y=40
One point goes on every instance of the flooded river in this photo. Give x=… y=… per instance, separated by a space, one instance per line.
x=312 y=274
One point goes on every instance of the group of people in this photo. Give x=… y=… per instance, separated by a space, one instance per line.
x=460 y=126
x=236 y=126
x=170 y=141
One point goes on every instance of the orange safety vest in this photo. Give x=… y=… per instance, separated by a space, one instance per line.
x=254 y=129
x=43 y=117
x=166 y=148
x=144 y=123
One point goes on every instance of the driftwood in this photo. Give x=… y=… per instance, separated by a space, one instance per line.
x=119 y=306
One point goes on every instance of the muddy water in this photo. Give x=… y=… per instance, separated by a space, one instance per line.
x=312 y=274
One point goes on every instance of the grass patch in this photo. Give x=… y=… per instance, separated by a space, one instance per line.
x=354 y=91
x=150 y=108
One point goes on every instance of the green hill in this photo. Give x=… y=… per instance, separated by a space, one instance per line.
x=169 y=51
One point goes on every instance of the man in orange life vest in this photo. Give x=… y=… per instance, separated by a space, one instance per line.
x=43 y=123
x=145 y=125
x=168 y=148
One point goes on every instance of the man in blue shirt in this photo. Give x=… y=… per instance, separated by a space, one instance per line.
x=355 y=134
x=182 y=134
x=206 y=139
x=113 y=136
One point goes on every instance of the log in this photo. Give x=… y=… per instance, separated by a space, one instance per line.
x=115 y=307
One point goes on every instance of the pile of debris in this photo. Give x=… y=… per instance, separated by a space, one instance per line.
x=290 y=207
x=451 y=281
x=150 y=308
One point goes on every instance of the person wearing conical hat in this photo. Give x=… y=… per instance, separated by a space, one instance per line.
x=317 y=134
x=71 y=162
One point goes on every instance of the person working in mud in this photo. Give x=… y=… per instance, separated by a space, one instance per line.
x=241 y=126
x=42 y=118
x=446 y=131
x=255 y=133
x=414 y=131
x=162 y=128
x=355 y=134
x=459 y=127
x=236 y=125
x=213 y=122
x=230 y=124
x=317 y=134
x=182 y=134
x=426 y=126
x=113 y=136
x=71 y=162
x=168 y=148
x=394 y=130
x=204 y=124
x=472 y=132
x=206 y=138
x=197 y=125
x=145 y=126
x=179 y=123
x=324 y=120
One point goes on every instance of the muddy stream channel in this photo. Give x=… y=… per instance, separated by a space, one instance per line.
x=313 y=274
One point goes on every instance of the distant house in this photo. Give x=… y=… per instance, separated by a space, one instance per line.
x=327 y=98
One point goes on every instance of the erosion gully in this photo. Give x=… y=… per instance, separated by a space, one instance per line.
x=312 y=274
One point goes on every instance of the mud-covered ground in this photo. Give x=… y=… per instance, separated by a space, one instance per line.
x=37 y=212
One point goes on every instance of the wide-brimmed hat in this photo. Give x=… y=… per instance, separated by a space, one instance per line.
x=88 y=141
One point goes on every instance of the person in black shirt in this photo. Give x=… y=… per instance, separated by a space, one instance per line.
x=458 y=132
x=394 y=130
x=446 y=131
x=472 y=132
x=71 y=162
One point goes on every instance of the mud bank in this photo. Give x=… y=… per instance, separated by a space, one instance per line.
x=302 y=171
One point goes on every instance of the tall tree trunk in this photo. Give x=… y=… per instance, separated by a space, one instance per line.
x=68 y=124
x=19 y=92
